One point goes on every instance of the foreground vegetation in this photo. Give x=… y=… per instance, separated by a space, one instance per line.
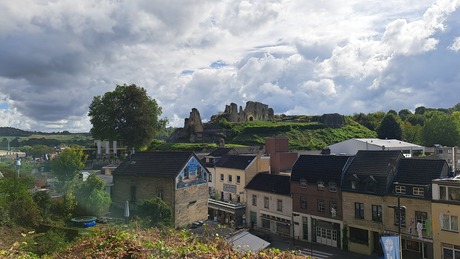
x=134 y=242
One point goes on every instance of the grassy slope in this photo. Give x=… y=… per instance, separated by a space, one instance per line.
x=302 y=136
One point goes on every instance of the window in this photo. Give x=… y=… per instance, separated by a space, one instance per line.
x=449 y=223
x=333 y=208
x=377 y=213
x=303 y=202
x=321 y=206
x=359 y=210
x=332 y=187
x=305 y=227
x=400 y=189
x=354 y=185
x=303 y=183
x=421 y=217
x=238 y=179
x=358 y=235
x=254 y=200
x=279 y=205
x=210 y=178
x=133 y=193
x=419 y=191
x=238 y=198
x=266 y=223
x=221 y=177
x=230 y=178
x=253 y=218
x=449 y=193
x=450 y=251
x=403 y=216
x=320 y=186
x=266 y=203
x=186 y=173
x=198 y=172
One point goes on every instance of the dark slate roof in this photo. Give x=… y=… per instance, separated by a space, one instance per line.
x=167 y=164
x=235 y=161
x=421 y=171
x=222 y=151
x=272 y=183
x=369 y=166
x=313 y=168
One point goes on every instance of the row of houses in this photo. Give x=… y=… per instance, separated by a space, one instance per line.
x=346 y=200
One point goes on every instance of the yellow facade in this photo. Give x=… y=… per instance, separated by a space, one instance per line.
x=374 y=228
x=231 y=182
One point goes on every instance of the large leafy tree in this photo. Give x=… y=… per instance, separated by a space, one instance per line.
x=68 y=164
x=126 y=114
x=389 y=128
x=92 y=197
x=440 y=128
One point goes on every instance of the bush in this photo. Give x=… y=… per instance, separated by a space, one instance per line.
x=154 y=212
x=48 y=243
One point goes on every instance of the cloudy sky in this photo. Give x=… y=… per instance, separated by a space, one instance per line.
x=299 y=57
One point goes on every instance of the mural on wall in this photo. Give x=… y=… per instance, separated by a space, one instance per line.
x=192 y=174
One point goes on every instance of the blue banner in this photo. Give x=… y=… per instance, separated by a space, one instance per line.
x=391 y=247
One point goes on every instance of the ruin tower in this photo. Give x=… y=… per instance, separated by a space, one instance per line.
x=194 y=126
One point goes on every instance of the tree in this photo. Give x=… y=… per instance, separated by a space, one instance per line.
x=126 y=114
x=68 y=164
x=92 y=197
x=420 y=110
x=412 y=133
x=155 y=212
x=389 y=128
x=38 y=151
x=404 y=113
x=440 y=128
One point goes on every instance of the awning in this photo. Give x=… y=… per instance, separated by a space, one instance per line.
x=275 y=215
x=245 y=241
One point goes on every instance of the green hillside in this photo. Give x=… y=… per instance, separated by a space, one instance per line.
x=301 y=135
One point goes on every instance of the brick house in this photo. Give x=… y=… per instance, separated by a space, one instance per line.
x=178 y=178
x=317 y=198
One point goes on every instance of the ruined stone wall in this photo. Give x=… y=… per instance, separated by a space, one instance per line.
x=253 y=111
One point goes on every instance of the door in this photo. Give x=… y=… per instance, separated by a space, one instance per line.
x=326 y=236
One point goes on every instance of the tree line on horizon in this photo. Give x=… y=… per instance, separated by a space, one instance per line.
x=425 y=126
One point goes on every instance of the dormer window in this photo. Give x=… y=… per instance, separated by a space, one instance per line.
x=303 y=183
x=354 y=182
x=400 y=189
x=321 y=186
x=371 y=184
x=418 y=191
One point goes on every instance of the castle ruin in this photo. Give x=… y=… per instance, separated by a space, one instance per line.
x=252 y=112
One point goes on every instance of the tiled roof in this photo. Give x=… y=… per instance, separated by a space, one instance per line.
x=235 y=161
x=167 y=164
x=420 y=171
x=372 y=169
x=313 y=168
x=272 y=183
